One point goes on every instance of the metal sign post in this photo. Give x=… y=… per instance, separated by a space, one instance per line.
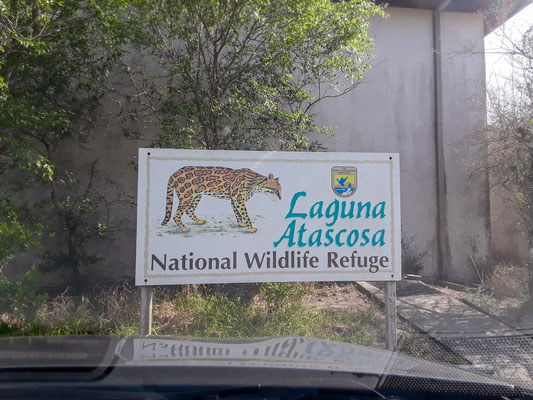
x=391 y=337
x=146 y=311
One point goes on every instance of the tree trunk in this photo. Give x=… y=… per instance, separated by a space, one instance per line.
x=71 y=224
x=530 y=267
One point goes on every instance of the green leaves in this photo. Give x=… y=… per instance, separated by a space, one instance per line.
x=208 y=74
x=245 y=74
x=55 y=59
x=19 y=229
x=45 y=169
x=21 y=299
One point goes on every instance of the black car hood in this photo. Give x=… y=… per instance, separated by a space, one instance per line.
x=92 y=359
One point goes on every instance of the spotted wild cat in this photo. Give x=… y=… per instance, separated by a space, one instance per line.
x=237 y=185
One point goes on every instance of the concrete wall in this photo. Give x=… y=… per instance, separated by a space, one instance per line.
x=463 y=117
x=393 y=110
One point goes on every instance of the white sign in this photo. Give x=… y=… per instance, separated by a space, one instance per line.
x=235 y=216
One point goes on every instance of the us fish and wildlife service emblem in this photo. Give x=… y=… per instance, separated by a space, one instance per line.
x=344 y=181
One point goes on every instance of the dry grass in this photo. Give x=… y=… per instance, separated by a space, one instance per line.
x=111 y=310
x=508 y=280
x=215 y=312
x=504 y=294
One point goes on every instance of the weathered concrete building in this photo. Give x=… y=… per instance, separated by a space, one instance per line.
x=423 y=98
x=418 y=101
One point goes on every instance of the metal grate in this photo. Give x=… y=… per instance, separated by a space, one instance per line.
x=504 y=357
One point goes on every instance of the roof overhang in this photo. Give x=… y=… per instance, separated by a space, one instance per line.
x=495 y=12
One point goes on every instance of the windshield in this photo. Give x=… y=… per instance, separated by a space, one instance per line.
x=266 y=183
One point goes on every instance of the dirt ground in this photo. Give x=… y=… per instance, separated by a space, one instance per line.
x=335 y=297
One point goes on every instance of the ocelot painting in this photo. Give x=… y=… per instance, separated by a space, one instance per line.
x=237 y=185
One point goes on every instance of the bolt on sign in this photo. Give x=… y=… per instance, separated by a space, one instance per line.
x=242 y=216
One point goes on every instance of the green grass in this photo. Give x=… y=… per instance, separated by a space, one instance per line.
x=276 y=309
x=365 y=327
x=271 y=310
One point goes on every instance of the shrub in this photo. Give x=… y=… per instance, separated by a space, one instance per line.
x=411 y=259
x=509 y=280
x=21 y=299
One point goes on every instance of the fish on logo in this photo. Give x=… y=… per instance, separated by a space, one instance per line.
x=344 y=181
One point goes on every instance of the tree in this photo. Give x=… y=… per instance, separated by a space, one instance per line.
x=243 y=74
x=210 y=74
x=510 y=136
x=55 y=57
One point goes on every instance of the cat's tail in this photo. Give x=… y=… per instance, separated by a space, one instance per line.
x=170 y=199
